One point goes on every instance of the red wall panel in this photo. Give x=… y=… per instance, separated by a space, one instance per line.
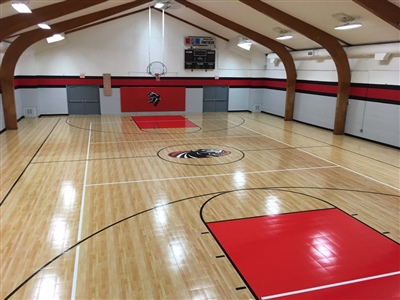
x=135 y=99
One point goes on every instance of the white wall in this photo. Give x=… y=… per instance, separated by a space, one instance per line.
x=374 y=121
x=371 y=120
x=52 y=101
x=110 y=105
x=315 y=110
x=194 y=100
x=238 y=99
x=256 y=97
x=97 y=50
x=274 y=102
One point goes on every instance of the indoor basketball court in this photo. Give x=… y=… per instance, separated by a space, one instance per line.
x=196 y=206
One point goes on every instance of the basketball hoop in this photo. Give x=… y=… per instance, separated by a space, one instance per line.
x=156 y=69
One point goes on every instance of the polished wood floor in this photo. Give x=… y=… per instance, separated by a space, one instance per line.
x=95 y=208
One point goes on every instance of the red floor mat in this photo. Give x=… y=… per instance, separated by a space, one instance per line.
x=290 y=253
x=148 y=122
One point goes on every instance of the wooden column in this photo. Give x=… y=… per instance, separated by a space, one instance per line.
x=384 y=9
x=329 y=42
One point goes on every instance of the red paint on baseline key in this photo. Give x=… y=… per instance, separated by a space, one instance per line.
x=291 y=252
x=151 y=122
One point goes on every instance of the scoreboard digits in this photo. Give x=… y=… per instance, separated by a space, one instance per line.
x=200 y=59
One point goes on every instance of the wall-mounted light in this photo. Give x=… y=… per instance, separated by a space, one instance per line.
x=55 y=38
x=44 y=25
x=244 y=43
x=21 y=6
x=347 y=22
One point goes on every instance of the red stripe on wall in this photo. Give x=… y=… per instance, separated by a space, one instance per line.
x=58 y=81
x=367 y=92
x=317 y=88
x=387 y=94
x=358 y=92
x=141 y=82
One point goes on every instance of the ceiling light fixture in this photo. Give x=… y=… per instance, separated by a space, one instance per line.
x=244 y=43
x=348 y=26
x=284 y=37
x=21 y=6
x=347 y=22
x=159 y=5
x=44 y=26
x=55 y=38
x=284 y=34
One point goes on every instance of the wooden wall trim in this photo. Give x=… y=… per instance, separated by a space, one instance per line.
x=278 y=48
x=329 y=42
x=384 y=9
x=25 y=40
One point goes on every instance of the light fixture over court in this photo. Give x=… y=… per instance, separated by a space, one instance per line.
x=284 y=34
x=244 y=43
x=347 y=22
x=159 y=5
x=55 y=38
x=44 y=25
x=21 y=6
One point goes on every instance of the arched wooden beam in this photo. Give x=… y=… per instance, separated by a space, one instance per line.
x=15 y=23
x=329 y=42
x=384 y=9
x=27 y=39
x=278 y=48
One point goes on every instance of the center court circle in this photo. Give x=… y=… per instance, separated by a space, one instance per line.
x=200 y=154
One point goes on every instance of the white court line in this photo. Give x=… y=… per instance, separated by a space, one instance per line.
x=270 y=137
x=324 y=159
x=76 y=265
x=163 y=140
x=205 y=176
x=330 y=285
x=348 y=169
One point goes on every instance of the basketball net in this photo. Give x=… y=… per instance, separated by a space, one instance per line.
x=157 y=75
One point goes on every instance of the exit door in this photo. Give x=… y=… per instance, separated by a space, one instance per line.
x=83 y=99
x=215 y=98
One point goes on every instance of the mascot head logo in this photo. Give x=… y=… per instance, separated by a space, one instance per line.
x=199 y=153
x=153 y=98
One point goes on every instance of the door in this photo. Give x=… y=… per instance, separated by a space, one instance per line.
x=83 y=99
x=215 y=98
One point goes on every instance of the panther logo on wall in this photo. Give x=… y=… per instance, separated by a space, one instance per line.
x=199 y=153
x=153 y=98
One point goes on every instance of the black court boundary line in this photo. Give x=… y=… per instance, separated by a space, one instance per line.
x=311 y=138
x=275 y=189
x=214 y=195
x=148 y=131
x=29 y=163
x=263 y=216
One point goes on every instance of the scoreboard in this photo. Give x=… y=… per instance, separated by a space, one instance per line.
x=203 y=59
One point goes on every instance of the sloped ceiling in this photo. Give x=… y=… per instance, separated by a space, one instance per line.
x=317 y=13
